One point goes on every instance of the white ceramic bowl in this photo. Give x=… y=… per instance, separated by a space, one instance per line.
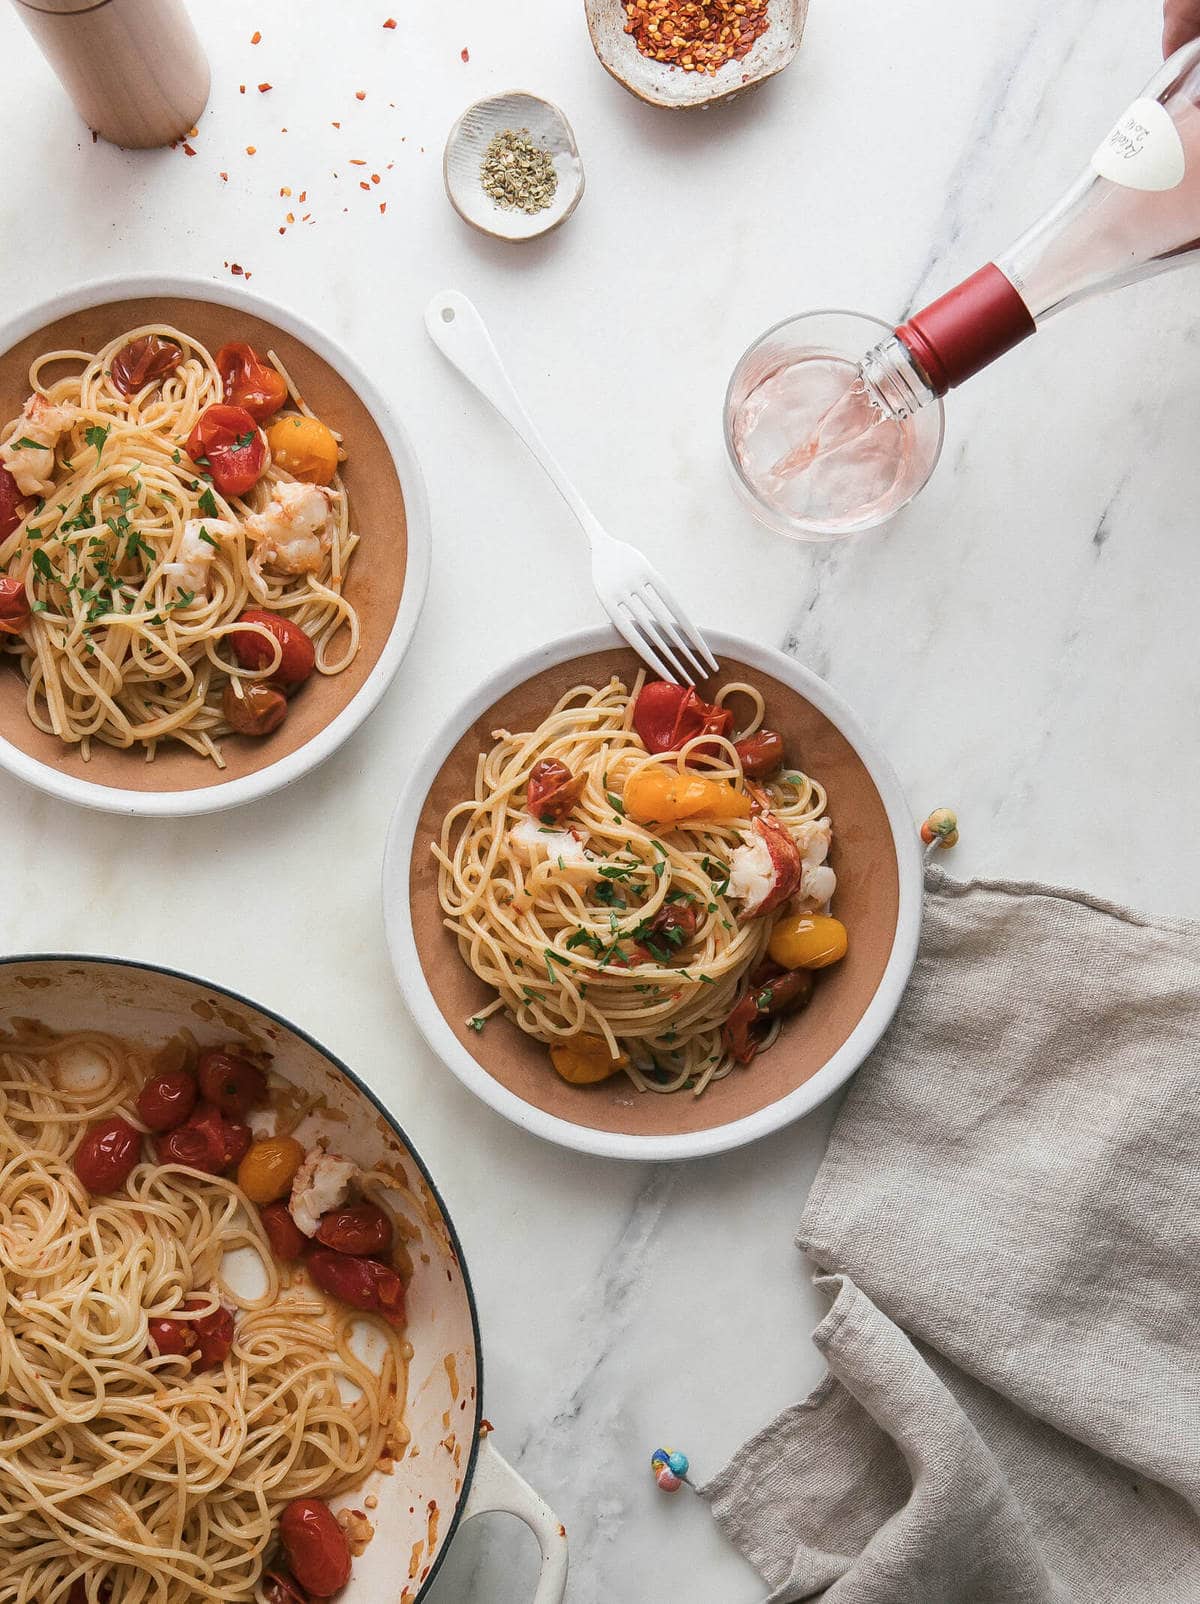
x=893 y=828
x=206 y=793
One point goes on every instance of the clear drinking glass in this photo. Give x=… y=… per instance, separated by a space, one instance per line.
x=785 y=385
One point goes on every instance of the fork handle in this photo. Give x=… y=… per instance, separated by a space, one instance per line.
x=460 y=334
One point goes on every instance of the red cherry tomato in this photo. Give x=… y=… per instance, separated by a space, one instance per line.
x=233 y=1083
x=317 y=1548
x=552 y=790
x=214 y=1337
x=249 y=382
x=761 y=754
x=362 y=1283
x=671 y=928
x=281 y=1587
x=167 y=1099
x=666 y=716
x=107 y=1155
x=772 y=992
x=228 y=440
x=287 y=1240
x=298 y=656
x=363 y=1230
x=14 y=605
x=174 y=1337
x=142 y=361
x=205 y=1141
x=12 y=504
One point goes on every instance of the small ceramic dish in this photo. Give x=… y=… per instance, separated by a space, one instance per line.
x=660 y=84
x=468 y=142
x=450 y=1471
x=876 y=855
x=385 y=582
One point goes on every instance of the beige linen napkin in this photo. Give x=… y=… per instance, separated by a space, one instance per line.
x=1009 y=1219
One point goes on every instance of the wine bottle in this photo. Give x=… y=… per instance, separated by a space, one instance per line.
x=1133 y=212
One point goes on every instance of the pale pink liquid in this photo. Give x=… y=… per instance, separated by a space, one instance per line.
x=815 y=448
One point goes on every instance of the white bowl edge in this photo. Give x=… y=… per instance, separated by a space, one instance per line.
x=235 y=793
x=410 y=976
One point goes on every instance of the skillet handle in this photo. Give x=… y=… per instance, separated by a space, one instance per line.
x=496 y=1486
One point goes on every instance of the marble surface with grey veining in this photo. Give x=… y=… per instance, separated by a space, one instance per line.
x=1022 y=640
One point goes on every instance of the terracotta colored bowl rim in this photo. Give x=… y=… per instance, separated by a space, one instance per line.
x=184 y=801
x=410 y=975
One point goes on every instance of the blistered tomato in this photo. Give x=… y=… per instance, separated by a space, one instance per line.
x=657 y=795
x=585 y=1059
x=317 y=1548
x=808 y=941
x=363 y=1229
x=761 y=754
x=269 y=1168
x=167 y=1099
x=249 y=382
x=552 y=790
x=144 y=361
x=287 y=1240
x=14 y=605
x=12 y=504
x=259 y=710
x=305 y=448
x=297 y=654
x=205 y=1141
x=107 y=1155
x=362 y=1283
x=227 y=439
x=230 y=1081
x=667 y=716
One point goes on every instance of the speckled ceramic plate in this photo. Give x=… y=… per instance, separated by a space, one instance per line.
x=385 y=581
x=448 y=1473
x=876 y=855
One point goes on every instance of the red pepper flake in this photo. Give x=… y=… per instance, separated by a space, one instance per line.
x=382 y=207
x=307 y=218
x=241 y=89
x=375 y=178
x=335 y=125
x=285 y=193
x=262 y=88
x=303 y=196
x=256 y=37
x=95 y=137
x=237 y=269
x=188 y=150
x=357 y=161
x=465 y=53
x=250 y=149
x=283 y=230
x=390 y=23
x=224 y=177
x=364 y=185
x=360 y=94
x=291 y=217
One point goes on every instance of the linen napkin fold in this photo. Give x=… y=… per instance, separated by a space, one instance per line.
x=1008 y=1218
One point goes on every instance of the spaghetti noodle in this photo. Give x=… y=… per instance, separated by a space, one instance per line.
x=123 y=1473
x=608 y=927
x=129 y=565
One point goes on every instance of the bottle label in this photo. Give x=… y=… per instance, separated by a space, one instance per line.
x=1144 y=150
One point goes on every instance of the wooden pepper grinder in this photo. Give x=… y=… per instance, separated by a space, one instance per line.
x=134 y=68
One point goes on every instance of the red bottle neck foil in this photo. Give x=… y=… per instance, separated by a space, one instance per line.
x=968 y=327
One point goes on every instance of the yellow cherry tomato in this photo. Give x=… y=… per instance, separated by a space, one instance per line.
x=807 y=941
x=303 y=447
x=585 y=1059
x=269 y=1168
x=657 y=795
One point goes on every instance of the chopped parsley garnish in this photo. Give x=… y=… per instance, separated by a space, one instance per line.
x=615 y=803
x=185 y=598
x=176 y=457
x=43 y=565
x=243 y=440
x=605 y=893
x=209 y=541
x=26 y=444
x=476 y=1024
x=208 y=505
x=96 y=436
x=718 y=873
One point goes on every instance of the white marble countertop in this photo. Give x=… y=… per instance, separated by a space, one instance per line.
x=1022 y=640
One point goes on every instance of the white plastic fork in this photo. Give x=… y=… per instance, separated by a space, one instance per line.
x=632 y=592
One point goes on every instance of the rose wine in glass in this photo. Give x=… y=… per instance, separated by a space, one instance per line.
x=1133 y=212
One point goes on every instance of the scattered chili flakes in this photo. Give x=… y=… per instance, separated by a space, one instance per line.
x=303 y=196
x=188 y=150
x=291 y=217
x=251 y=149
x=282 y=230
x=335 y=125
x=262 y=88
x=465 y=53
x=224 y=177
x=375 y=178
x=382 y=207
x=390 y=23
x=256 y=37
x=241 y=89
x=236 y=269
x=364 y=185
x=285 y=193
x=697 y=35
x=357 y=161
x=95 y=137
x=360 y=94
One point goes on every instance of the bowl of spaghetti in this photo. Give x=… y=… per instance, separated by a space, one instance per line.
x=649 y=922
x=240 y=1356
x=214 y=545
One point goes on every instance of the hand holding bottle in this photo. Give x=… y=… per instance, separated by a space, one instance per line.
x=1181 y=23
